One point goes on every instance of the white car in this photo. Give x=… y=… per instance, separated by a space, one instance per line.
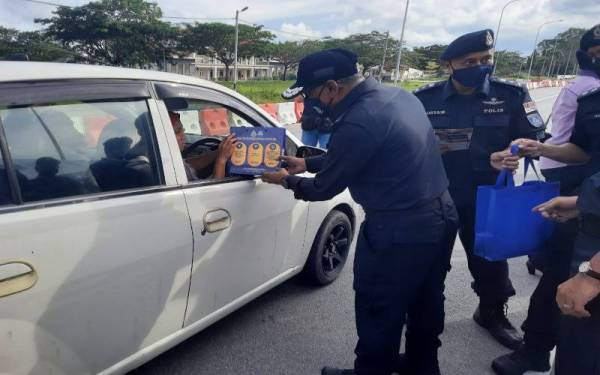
x=108 y=254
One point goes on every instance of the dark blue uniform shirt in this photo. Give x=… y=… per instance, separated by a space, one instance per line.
x=382 y=148
x=478 y=124
x=586 y=132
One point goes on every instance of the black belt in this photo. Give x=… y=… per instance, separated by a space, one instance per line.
x=590 y=225
x=429 y=204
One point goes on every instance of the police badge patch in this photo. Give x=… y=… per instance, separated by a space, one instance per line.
x=529 y=107
x=489 y=39
x=535 y=120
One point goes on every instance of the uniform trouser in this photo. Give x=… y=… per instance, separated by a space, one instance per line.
x=400 y=267
x=578 y=349
x=491 y=281
x=541 y=325
x=543 y=317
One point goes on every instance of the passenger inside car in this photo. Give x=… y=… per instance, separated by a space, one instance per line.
x=116 y=172
x=216 y=159
x=48 y=184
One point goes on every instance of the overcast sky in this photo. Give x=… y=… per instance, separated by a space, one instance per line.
x=429 y=21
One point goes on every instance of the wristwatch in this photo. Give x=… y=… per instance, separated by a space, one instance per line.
x=284 y=183
x=586 y=268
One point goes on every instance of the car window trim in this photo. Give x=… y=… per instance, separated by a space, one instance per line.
x=187 y=91
x=86 y=198
x=137 y=89
x=18 y=201
x=11 y=170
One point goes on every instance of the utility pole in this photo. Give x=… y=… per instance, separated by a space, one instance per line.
x=235 y=53
x=552 y=58
x=498 y=32
x=535 y=45
x=400 y=47
x=568 y=62
x=387 y=37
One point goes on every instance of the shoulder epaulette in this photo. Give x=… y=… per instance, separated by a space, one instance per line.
x=428 y=87
x=508 y=82
x=588 y=93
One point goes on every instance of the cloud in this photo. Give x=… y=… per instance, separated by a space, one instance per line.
x=429 y=21
x=299 y=31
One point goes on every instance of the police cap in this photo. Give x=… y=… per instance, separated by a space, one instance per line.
x=590 y=39
x=472 y=42
x=319 y=67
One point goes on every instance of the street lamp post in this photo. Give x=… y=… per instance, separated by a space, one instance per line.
x=535 y=45
x=235 y=53
x=552 y=58
x=401 y=41
x=387 y=37
x=498 y=32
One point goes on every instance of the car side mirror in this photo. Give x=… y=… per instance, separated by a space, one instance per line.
x=309 y=151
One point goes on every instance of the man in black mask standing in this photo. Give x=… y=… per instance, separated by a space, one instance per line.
x=475 y=117
x=384 y=151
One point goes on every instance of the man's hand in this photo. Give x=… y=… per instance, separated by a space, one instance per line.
x=294 y=165
x=529 y=147
x=575 y=293
x=504 y=160
x=560 y=209
x=226 y=148
x=275 y=177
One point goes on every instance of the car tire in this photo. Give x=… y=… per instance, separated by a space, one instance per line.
x=330 y=250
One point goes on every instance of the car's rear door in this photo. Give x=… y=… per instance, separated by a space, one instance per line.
x=95 y=245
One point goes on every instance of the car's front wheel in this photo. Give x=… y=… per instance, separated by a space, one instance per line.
x=329 y=250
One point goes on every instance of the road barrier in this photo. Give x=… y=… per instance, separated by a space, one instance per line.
x=286 y=114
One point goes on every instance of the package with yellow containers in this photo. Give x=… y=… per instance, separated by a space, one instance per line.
x=257 y=150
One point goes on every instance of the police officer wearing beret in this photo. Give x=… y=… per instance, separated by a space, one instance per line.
x=384 y=151
x=476 y=117
x=573 y=139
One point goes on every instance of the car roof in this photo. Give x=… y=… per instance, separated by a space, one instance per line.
x=18 y=71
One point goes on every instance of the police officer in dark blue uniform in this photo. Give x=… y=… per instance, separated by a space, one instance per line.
x=384 y=151
x=578 y=348
x=583 y=149
x=476 y=116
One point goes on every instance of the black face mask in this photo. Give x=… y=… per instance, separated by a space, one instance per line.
x=473 y=76
x=316 y=115
x=587 y=62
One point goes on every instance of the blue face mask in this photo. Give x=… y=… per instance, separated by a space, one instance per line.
x=587 y=62
x=473 y=76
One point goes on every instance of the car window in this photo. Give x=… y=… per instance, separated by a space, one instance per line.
x=76 y=148
x=5 y=196
x=209 y=119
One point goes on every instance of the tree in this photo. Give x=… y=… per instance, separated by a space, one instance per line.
x=509 y=63
x=218 y=40
x=557 y=55
x=369 y=48
x=34 y=44
x=288 y=54
x=429 y=56
x=115 y=32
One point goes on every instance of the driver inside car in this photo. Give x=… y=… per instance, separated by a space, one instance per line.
x=194 y=164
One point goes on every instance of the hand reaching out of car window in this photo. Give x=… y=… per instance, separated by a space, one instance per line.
x=224 y=152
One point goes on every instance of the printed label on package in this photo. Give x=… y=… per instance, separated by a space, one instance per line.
x=257 y=150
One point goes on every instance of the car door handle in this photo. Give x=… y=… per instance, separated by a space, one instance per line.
x=216 y=221
x=16 y=276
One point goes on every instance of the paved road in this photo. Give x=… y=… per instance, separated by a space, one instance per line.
x=295 y=329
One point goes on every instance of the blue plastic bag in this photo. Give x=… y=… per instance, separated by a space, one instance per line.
x=505 y=226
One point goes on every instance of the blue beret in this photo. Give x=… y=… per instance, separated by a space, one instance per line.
x=590 y=39
x=472 y=42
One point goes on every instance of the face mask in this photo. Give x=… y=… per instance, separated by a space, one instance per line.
x=587 y=62
x=312 y=117
x=473 y=76
x=316 y=114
